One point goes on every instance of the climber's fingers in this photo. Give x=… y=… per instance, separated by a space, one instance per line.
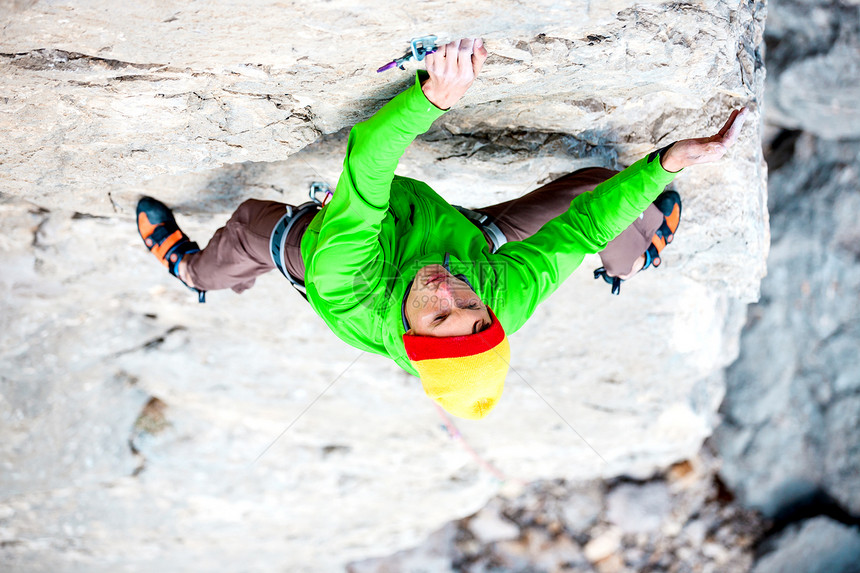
x=433 y=62
x=727 y=125
x=464 y=52
x=451 y=50
x=436 y=61
x=465 y=49
x=442 y=62
x=463 y=58
x=728 y=135
x=479 y=56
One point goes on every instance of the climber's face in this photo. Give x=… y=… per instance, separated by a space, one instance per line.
x=440 y=304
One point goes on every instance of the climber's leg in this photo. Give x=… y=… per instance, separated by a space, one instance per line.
x=239 y=251
x=520 y=218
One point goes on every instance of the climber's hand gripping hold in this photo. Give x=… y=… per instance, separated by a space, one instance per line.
x=452 y=68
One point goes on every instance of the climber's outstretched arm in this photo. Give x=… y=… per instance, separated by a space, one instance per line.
x=348 y=251
x=536 y=266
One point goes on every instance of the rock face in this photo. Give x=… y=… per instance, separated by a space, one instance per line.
x=792 y=410
x=142 y=430
x=819 y=545
x=813 y=61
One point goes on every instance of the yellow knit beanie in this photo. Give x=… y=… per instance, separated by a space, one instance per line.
x=463 y=374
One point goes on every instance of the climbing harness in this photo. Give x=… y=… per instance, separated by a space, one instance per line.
x=486 y=224
x=282 y=229
x=419 y=47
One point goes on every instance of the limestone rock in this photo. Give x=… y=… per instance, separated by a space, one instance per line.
x=791 y=410
x=789 y=439
x=813 y=61
x=820 y=94
x=582 y=508
x=204 y=105
x=432 y=556
x=489 y=526
x=819 y=545
x=603 y=545
x=712 y=533
x=639 y=508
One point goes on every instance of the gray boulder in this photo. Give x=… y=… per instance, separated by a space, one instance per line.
x=813 y=57
x=819 y=545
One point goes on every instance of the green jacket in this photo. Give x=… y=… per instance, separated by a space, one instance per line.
x=365 y=246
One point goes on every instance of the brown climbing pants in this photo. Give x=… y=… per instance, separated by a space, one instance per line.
x=239 y=251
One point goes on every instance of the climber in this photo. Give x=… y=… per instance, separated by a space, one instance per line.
x=392 y=268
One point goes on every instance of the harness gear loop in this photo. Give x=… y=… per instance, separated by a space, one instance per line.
x=486 y=224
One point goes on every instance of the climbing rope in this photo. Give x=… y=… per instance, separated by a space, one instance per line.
x=455 y=434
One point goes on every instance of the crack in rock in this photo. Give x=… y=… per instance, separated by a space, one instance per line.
x=51 y=59
x=150 y=344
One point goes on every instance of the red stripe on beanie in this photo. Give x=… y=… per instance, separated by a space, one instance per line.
x=430 y=347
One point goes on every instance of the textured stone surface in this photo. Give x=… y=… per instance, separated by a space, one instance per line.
x=819 y=545
x=792 y=409
x=639 y=508
x=792 y=412
x=706 y=531
x=789 y=439
x=132 y=418
x=488 y=526
x=813 y=56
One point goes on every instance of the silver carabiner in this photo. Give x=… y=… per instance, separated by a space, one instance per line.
x=423 y=46
x=419 y=47
x=320 y=187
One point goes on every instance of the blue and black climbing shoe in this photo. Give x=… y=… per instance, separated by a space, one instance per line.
x=669 y=204
x=163 y=237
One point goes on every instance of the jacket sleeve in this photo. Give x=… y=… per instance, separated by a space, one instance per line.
x=348 y=263
x=527 y=272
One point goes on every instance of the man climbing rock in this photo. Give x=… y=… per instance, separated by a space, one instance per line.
x=392 y=268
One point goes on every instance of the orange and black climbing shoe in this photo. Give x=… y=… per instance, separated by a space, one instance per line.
x=163 y=238
x=669 y=203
